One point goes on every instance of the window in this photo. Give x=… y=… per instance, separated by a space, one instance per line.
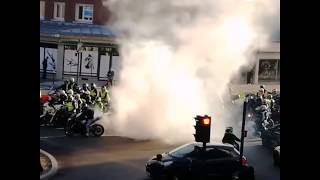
x=59 y=11
x=269 y=69
x=84 y=12
x=182 y=151
x=42 y=8
x=216 y=153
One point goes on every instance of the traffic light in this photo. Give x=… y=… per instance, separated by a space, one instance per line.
x=203 y=128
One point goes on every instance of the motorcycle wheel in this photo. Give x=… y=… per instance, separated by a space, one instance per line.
x=68 y=130
x=97 y=130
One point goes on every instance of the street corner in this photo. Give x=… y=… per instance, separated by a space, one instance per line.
x=49 y=165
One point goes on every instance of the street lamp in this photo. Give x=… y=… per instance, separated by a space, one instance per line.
x=79 y=45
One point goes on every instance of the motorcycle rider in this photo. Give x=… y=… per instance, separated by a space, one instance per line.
x=104 y=95
x=87 y=115
x=85 y=86
x=263 y=87
x=261 y=93
x=99 y=104
x=230 y=138
x=62 y=97
x=79 y=102
x=70 y=92
x=86 y=97
x=72 y=84
x=71 y=105
x=93 y=91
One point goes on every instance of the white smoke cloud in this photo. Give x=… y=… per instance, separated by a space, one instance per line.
x=177 y=60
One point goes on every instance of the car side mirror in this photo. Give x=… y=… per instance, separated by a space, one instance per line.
x=159 y=157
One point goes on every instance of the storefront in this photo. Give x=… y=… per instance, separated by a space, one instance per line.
x=84 y=51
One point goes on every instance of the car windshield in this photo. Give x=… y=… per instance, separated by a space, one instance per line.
x=182 y=151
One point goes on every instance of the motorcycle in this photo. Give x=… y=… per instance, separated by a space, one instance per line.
x=78 y=126
x=48 y=114
x=60 y=117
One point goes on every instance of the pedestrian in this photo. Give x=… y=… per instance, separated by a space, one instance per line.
x=45 y=66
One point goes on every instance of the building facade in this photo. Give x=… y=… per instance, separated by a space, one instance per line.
x=75 y=40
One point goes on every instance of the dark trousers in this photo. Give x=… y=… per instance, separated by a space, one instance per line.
x=44 y=74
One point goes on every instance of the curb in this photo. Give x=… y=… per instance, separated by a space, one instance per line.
x=53 y=169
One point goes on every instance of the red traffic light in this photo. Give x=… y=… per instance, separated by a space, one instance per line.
x=206 y=121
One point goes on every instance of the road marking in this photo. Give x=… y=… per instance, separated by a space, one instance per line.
x=47 y=137
x=60 y=136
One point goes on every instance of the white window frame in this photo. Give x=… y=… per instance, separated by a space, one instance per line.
x=42 y=9
x=61 y=11
x=77 y=13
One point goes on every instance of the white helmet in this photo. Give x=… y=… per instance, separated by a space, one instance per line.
x=98 y=99
x=77 y=96
x=72 y=80
x=70 y=92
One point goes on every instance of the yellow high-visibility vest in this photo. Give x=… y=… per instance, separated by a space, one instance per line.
x=70 y=106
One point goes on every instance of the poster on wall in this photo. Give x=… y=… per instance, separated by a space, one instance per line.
x=104 y=66
x=268 y=69
x=89 y=63
x=116 y=66
x=70 y=62
x=48 y=59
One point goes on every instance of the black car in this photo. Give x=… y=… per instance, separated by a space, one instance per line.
x=271 y=137
x=189 y=161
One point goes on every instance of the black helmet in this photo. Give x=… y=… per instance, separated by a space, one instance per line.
x=229 y=130
x=85 y=85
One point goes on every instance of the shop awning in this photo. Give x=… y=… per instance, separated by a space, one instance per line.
x=55 y=29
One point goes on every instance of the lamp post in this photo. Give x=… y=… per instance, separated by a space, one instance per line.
x=79 y=45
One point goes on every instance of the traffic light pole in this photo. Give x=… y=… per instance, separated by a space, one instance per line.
x=242 y=129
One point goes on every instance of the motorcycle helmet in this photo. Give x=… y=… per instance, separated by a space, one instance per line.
x=63 y=93
x=93 y=85
x=70 y=92
x=77 y=96
x=71 y=80
x=98 y=99
x=229 y=130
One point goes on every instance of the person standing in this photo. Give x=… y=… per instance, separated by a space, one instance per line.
x=45 y=66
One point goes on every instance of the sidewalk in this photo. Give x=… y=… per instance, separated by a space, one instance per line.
x=49 y=165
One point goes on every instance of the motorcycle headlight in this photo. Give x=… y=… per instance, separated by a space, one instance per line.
x=167 y=163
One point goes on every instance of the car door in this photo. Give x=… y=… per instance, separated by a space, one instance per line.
x=218 y=163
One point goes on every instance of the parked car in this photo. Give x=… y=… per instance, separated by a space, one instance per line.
x=189 y=161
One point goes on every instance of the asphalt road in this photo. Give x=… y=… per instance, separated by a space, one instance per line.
x=119 y=158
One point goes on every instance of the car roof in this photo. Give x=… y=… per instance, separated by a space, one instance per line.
x=214 y=145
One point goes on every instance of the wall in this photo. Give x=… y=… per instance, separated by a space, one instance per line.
x=100 y=12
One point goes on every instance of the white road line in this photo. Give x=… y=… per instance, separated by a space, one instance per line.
x=47 y=137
